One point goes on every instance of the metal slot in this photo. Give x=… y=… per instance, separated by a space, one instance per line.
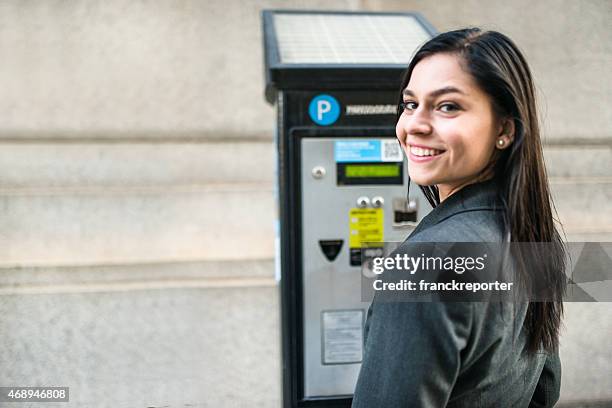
x=405 y=212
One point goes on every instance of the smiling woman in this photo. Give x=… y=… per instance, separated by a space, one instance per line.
x=467 y=122
x=448 y=127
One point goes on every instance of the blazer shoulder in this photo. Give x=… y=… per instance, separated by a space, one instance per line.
x=477 y=225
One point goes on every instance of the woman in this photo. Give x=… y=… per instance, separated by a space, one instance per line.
x=468 y=124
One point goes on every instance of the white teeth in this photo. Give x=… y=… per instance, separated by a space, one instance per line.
x=419 y=151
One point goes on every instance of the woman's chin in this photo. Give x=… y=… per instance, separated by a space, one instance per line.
x=422 y=180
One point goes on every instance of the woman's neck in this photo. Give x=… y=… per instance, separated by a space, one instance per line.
x=446 y=190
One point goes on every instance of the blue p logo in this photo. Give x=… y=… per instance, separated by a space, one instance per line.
x=324 y=110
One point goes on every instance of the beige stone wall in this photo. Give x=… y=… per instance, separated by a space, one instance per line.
x=194 y=67
x=568 y=45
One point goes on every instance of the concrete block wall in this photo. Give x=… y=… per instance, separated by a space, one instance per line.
x=136 y=191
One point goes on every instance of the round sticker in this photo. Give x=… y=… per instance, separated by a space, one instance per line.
x=324 y=110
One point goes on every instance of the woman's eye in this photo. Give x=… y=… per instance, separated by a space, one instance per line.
x=448 y=107
x=408 y=106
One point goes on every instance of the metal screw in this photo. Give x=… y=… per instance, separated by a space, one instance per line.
x=378 y=201
x=363 y=202
x=318 y=172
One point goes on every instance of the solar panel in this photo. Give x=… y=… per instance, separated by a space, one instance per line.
x=347 y=38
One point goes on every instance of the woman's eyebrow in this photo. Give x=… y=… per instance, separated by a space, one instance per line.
x=437 y=92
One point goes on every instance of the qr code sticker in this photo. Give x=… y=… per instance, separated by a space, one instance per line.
x=391 y=151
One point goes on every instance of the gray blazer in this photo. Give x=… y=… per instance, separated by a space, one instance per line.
x=461 y=354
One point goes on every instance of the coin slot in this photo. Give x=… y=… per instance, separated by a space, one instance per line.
x=405 y=212
x=331 y=248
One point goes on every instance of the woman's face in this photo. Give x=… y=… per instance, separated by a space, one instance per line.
x=448 y=129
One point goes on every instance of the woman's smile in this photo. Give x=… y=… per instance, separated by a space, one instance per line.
x=421 y=154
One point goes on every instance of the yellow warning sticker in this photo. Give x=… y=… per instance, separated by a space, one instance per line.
x=365 y=225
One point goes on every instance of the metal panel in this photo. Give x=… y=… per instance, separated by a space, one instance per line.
x=334 y=285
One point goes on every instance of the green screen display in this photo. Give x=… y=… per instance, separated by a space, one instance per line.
x=365 y=170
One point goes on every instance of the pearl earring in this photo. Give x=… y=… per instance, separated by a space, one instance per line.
x=500 y=142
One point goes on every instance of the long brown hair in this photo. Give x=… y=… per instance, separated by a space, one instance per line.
x=499 y=68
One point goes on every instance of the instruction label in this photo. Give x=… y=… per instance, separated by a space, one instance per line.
x=365 y=225
x=367 y=150
x=342 y=336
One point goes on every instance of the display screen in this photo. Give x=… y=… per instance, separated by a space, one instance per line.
x=370 y=173
x=364 y=170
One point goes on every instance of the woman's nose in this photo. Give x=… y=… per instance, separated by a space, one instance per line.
x=415 y=124
x=418 y=124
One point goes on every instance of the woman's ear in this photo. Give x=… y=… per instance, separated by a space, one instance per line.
x=505 y=136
